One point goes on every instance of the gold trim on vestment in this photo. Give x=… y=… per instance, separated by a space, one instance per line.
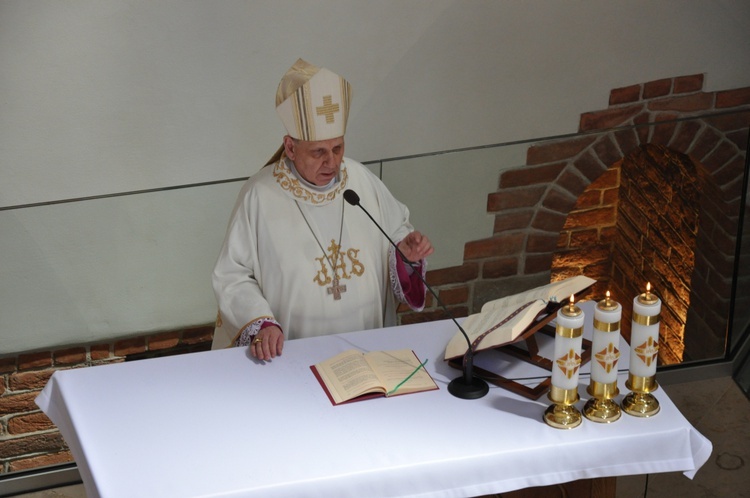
x=287 y=181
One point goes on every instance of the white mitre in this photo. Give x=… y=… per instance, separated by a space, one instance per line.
x=313 y=103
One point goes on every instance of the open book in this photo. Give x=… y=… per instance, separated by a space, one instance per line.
x=354 y=375
x=503 y=320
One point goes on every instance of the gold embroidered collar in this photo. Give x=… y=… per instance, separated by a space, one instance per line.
x=298 y=191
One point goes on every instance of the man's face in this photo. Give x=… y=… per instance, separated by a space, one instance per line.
x=318 y=162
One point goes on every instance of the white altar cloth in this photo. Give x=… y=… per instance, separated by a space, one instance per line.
x=219 y=423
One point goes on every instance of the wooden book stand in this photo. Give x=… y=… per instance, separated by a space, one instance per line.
x=529 y=354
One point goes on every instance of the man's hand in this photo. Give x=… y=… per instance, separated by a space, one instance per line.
x=268 y=343
x=416 y=246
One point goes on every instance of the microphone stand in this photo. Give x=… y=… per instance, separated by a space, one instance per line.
x=467 y=386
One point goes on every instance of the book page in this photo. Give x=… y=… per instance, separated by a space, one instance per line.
x=495 y=312
x=392 y=367
x=348 y=375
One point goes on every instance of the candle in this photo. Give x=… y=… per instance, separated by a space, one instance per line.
x=644 y=335
x=568 y=345
x=606 y=340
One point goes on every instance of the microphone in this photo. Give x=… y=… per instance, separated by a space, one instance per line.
x=467 y=386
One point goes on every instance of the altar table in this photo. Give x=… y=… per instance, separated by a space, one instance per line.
x=220 y=423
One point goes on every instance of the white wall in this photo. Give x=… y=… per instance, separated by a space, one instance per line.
x=112 y=95
x=107 y=96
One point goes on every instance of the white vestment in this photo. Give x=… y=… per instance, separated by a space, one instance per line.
x=271 y=265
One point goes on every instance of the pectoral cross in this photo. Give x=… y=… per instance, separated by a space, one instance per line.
x=336 y=289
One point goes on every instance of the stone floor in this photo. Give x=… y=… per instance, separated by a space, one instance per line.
x=717 y=408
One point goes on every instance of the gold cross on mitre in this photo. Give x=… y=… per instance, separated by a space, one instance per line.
x=327 y=109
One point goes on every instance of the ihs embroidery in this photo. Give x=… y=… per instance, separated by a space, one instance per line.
x=346 y=264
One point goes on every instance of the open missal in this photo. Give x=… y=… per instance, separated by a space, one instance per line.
x=354 y=375
x=504 y=320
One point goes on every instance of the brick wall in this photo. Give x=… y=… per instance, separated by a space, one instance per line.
x=28 y=439
x=572 y=181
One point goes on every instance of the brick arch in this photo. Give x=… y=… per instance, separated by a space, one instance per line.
x=532 y=202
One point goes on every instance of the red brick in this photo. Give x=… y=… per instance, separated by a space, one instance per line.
x=530 y=175
x=515 y=198
x=198 y=335
x=18 y=403
x=686 y=84
x=733 y=98
x=548 y=152
x=627 y=140
x=607 y=234
x=130 y=346
x=25 y=381
x=497 y=268
x=625 y=95
x=559 y=201
x=453 y=275
x=609 y=179
x=537 y=263
x=40 y=461
x=99 y=352
x=657 y=88
x=589 y=199
x=164 y=340
x=684 y=136
x=70 y=356
x=454 y=295
x=572 y=181
x=541 y=242
x=643 y=131
x=512 y=220
x=687 y=103
x=15 y=447
x=590 y=166
x=503 y=245
x=606 y=150
x=584 y=238
x=24 y=424
x=663 y=131
x=549 y=221
x=34 y=360
x=603 y=216
x=610 y=118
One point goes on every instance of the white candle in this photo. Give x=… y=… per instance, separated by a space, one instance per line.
x=644 y=335
x=568 y=345
x=605 y=343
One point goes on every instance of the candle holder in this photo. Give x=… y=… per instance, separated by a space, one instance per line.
x=603 y=383
x=644 y=349
x=562 y=414
x=640 y=402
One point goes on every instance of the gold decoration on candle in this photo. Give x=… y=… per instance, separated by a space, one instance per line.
x=603 y=383
x=562 y=414
x=644 y=344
